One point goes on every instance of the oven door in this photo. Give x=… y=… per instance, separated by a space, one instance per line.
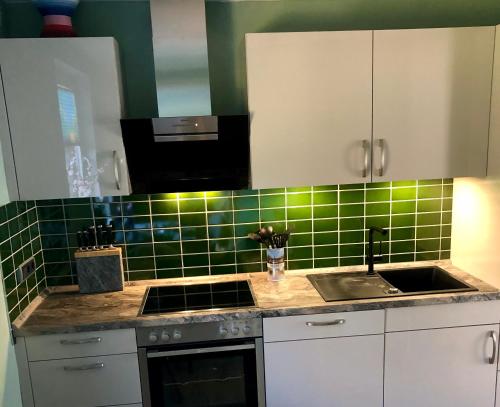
x=223 y=374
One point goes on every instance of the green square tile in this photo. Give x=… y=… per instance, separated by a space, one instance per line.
x=398 y=258
x=298 y=199
x=305 y=226
x=429 y=182
x=272 y=191
x=351 y=210
x=428 y=219
x=139 y=250
x=194 y=233
x=325 y=225
x=351 y=223
x=222 y=245
x=76 y=201
x=445 y=254
x=272 y=201
x=191 y=195
x=352 y=237
x=247 y=216
x=447 y=191
x=222 y=258
x=165 y=221
x=195 y=260
x=164 y=207
x=14 y=226
x=407 y=183
x=219 y=204
x=272 y=215
x=351 y=186
x=7 y=266
x=250 y=256
x=224 y=269
x=12 y=301
x=407 y=194
x=300 y=264
x=12 y=210
x=78 y=211
x=163 y=197
x=72 y=226
x=246 y=202
x=349 y=250
x=10 y=283
x=142 y=275
x=378 y=195
x=378 y=209
x=403 y=246
x=428 y=245
x=446 y=230
x=323 y=263
x=57 y=269
x=138 y=236
x=326 y=238
x=168 y=262
x=327 y=211
x=378 y=185
x=447 y=217
x=429 y=192
x=218 y=194
x=196 y=246
x=245 y=243
x=245 y=192
x=4 y=232
x=351 y=261
x=137 y=222
x=50 y=212
x=326 y=251
x=135 y=208
x=299 y=213
x=102 y=210
x=352 y=196
x=196 y=271
x=219 y=232
x=378 y=221
x=428 y=232
x=191 y=205
x=168 y=248
x=403 y=220
x=220 y=218
x=298 y=189
x=3 y=214
x=325 y=188
x=404 y=207
x=296 y=253
x=244 y=230
x=193 y=219
x=325 y=198
x=427 y=256
x=249 y=268
x=300 y=240
x=141 y=263
x=56 y=255
x=447 y=204
x=403 y=233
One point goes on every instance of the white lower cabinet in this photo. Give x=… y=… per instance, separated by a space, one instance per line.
x=329 y=370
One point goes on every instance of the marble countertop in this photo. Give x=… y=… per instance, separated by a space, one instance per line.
x=64 y=310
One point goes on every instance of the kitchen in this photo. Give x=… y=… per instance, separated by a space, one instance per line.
x=362 y=118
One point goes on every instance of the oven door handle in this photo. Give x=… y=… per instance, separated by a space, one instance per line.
x=197 y=351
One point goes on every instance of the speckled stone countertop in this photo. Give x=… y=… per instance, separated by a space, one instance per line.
x=64 y=310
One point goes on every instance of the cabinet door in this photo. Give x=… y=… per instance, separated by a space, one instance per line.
x=440 y=367
x=431 y=102
x=345 y=372
x=310 y=100
x=64 y=109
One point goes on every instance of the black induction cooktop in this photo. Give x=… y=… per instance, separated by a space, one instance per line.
x=196 y=297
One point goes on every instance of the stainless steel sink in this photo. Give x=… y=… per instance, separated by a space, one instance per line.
x=386 y=283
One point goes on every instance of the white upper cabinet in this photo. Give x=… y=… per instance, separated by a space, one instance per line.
x=63 y=99
x=309 y=98
x=431 y=102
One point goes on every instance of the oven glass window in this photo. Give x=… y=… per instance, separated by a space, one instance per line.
x=221 y=379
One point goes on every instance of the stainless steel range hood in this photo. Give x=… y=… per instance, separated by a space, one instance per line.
x=181 y=57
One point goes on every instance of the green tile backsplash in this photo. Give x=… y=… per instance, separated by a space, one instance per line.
x=19 y=240
x=191 y=234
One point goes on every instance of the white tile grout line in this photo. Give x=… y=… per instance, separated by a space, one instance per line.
x=390 y=223
x=338 y=225
x=312 y=226
x=364 y=224
x=441 y=219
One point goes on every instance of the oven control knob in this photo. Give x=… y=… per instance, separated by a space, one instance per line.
x=223 y=331
x=235 y=330
x=246 y=329
x=153 y=337
x=165 y=336
x=177 y=335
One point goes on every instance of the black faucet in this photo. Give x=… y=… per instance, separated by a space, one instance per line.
x=371 y=259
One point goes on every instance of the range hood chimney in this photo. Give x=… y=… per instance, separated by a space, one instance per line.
x=181 y=57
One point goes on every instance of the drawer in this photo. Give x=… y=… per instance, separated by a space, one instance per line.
x=323 y=325
x=443 y=316
x=86 y=382
x=82 y=344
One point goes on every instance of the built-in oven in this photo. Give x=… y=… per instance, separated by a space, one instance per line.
x=211 y=364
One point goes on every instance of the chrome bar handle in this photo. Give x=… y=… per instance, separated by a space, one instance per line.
x=492 y=359
x=96 y=339
x=116 y=169
x=327 y=323
x=382 y=144
x=92 y=366
x=366 y=158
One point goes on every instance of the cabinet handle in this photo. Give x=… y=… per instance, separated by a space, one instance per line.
x=366 y=158
x=116 y=168
x=492 y=359
x=79 y=368
x=327 y=323
x=381 y=143
x=80 y=341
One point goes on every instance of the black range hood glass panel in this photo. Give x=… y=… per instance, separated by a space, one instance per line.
x=187 y=160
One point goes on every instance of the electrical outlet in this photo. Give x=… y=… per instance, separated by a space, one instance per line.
x=25 y=270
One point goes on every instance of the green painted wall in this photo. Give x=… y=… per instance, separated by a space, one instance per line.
x=227 y=23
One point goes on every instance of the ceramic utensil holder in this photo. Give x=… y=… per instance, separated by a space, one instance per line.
x=99 y=271
x=275 y=264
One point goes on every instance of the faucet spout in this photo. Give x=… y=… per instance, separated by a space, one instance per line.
x=371 y=258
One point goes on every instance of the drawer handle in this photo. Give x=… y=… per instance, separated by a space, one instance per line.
x=79 y=368
x=327 y=323
x=97 y=339
x=493 y=357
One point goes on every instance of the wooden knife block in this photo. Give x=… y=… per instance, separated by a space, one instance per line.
x=99 y=271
